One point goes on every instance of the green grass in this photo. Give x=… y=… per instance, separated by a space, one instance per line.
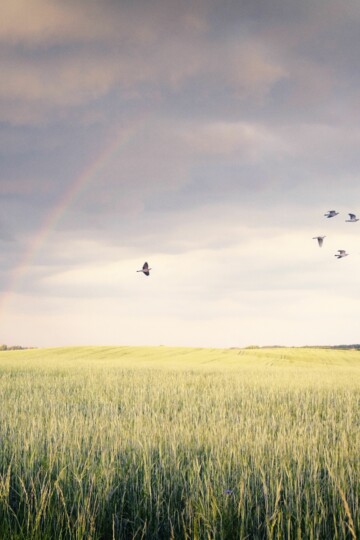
x=121 y=443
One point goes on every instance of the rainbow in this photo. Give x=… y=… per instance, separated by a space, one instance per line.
x=54 y=215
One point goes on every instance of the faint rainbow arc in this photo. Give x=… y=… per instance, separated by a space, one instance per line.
x=66 y=200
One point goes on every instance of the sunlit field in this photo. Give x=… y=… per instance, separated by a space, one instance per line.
x=161 y=443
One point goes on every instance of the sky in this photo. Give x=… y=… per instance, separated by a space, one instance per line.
x=208 y=138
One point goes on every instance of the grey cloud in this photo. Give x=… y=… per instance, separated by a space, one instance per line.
x=175 y=51
x=140 y=47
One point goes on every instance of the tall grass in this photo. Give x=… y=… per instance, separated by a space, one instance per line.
x=161 y=443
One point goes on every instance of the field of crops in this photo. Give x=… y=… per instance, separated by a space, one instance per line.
x=160 y=443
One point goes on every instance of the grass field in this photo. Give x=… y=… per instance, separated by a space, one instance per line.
x=161 y=443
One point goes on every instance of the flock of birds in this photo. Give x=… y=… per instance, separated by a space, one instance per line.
x=320 y=239
x=330 y=214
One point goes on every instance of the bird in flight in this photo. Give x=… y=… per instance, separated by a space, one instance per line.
x=331 y=213
x=145 y=269
x=342 y=253
x=320 y=240
x=352 y=219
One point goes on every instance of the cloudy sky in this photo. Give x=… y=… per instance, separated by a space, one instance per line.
x=205 y=137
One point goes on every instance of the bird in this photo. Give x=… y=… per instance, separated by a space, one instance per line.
x=342 y=253
x=352 y=219
x=145 y=269
x=320 y=240
x=331 y=213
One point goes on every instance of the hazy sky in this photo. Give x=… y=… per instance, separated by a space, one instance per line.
x=205 y=137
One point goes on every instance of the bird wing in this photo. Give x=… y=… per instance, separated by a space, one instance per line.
x=320 y=240
x=352 y=216
x=146 y=272
x=145 y=266
x=341 y=251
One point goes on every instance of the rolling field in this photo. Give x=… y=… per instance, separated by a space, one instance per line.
x=160 y=443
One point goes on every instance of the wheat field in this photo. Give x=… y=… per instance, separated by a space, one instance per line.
x=175 y=443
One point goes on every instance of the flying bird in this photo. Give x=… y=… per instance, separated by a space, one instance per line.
x=342 y=253
x=331 y=213
x=352 y=219
x=320 y=240
x=145 y=269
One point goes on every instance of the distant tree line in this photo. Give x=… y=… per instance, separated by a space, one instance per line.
x=356 y=347
x=13 y=348
x=353 y=347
